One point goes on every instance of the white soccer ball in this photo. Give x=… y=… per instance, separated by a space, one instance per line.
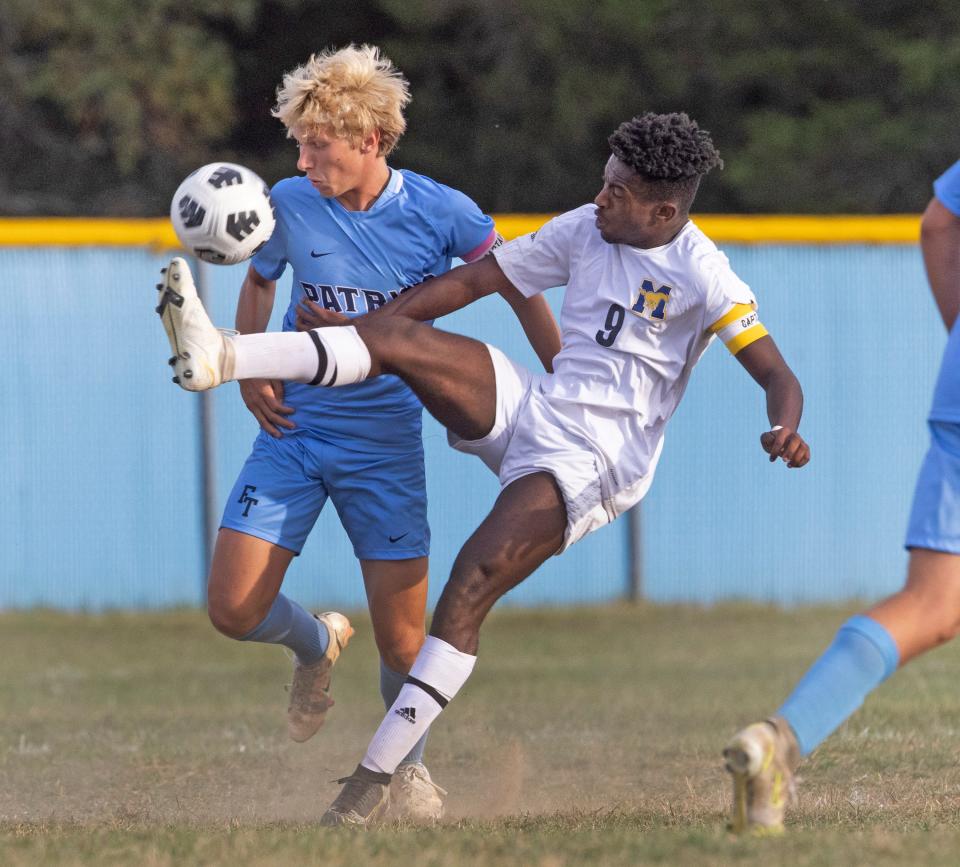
x=222 y=213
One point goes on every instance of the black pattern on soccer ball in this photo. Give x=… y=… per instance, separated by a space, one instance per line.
x=225 y=177
x=241 y=224
x=191 y=212
x=208 y=255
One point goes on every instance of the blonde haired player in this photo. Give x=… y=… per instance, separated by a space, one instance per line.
x=345 y=94
x=646 y=293
x=356 y=233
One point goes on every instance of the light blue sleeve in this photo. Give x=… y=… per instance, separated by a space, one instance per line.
x=947 y=188
x=470 y=232
x=270 y=260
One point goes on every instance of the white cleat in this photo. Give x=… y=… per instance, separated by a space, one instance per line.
x=414 y=796
x=310 y=691
x=761 y=760
x=202 y=355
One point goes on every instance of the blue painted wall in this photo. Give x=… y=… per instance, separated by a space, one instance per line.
x=859 y=328
x=100 y=503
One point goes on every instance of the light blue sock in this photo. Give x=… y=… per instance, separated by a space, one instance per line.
x=863 y=654
x=289 y=624
x=390 y=683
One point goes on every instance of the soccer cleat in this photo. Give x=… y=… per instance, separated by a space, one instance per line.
x=202 y=356
x=761 y=759
x=310 y=691
x=414 y=796
x=363 y=799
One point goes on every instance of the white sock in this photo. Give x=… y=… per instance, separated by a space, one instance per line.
x=274 y=355
x=436 y=677
x=322 y=356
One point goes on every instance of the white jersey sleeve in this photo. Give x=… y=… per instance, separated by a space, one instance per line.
x=541 y=260
x=730 y=307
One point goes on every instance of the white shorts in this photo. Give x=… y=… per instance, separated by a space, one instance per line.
x=529 y=437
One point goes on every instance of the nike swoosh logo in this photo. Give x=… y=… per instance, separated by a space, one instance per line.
x=398 y=538
x=317 y=255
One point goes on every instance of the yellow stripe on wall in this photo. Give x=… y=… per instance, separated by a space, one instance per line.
x=723 y=228
x=771 y=229
x=86 y=232
x=800 y=229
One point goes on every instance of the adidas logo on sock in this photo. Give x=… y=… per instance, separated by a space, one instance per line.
x=408 y=713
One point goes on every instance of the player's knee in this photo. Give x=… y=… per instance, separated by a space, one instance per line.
x=387 y=336
x=231 y=620
x=400 y=655
x=401 y=658
x=472 y=591
x=938 y=610
x=947 y=629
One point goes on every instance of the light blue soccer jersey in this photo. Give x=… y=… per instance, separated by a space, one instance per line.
x=356 y=261
x=946 y=395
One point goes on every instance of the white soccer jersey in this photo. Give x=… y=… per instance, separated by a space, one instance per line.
x=634 y=322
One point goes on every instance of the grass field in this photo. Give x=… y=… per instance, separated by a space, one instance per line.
x=589 y=736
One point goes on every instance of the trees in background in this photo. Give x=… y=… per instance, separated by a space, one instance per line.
x=816 y=106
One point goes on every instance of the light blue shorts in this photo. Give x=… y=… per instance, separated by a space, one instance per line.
x=935 y=516
x=381 y=498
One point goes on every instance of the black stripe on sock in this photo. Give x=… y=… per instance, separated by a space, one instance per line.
x=429 y=690
x=321 y=357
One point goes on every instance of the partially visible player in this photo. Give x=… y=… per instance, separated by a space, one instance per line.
x=356 y=234
x=869 y=647
x=646 y=294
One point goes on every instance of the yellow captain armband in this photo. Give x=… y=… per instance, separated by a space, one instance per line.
x=739 y=327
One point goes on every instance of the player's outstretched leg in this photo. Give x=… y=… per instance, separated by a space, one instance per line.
x=202 y=357
x=205 y=357
x=310 y=691
x=452 y=375
x=762 y=759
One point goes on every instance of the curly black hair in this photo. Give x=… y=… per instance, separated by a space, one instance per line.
x=669 y=152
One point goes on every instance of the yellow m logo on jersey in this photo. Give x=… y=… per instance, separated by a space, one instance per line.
x=651 y=302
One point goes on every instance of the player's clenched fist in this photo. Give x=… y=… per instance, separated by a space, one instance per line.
x=781 y=442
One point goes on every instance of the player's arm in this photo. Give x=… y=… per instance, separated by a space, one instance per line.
x=538 y=324
x=255 y=303
x=940 y=243
x=462 y=286
x=765 y=364
x=452 y=291
x=535 y=316
x=747 y=339
x=263 y=397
